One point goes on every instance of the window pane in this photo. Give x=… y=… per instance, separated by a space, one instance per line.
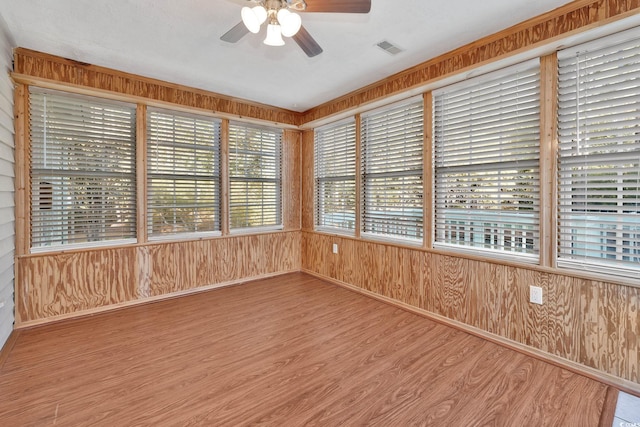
x=183 y=173
x=486 y=161
x=392 y=186
x=599 y=155
x=254 y=175
x=335 y=173
x=82 y=169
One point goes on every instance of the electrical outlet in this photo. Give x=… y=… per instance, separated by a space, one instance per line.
x=335 y=248
x=535 y=294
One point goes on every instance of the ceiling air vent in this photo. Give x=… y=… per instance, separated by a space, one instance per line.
x=389 y=47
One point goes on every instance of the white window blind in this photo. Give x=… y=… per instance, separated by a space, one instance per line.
x=486 y=163
x=183 y=173
x=82 y=170
x=599 y=156
x=392 y=186
x=255 y=176
x=335 y=173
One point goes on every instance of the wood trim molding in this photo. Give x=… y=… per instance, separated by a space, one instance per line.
x=609 y=408
x=22 y=176
x=574 y=17
x=427 y=173
x=358 y=213
x=224 y=181
x=595 y=374
x=31 y=67
x=308 y=184
x=141 y=173
x=152 y=243
x=548 y=159
x=291 y=179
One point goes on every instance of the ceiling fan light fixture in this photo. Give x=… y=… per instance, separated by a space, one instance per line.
x=274 y=35
x=289 y=21
x=253 y=17
x=282 y=21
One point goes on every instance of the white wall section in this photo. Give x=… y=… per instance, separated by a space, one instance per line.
x=7 y=223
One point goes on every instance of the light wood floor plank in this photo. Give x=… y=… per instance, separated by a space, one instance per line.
x=291 y=350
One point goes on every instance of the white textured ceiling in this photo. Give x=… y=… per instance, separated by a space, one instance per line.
x=179 y=41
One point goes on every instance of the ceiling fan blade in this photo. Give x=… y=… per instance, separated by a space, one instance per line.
x=236 y=33
x=338 y=6
x=307 y=43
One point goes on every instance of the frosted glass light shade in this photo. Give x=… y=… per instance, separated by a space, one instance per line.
x=253 y=17
x=289 y=21
x=274 y=36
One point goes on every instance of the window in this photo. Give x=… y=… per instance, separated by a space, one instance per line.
x=486 y=163
x=254 y=176
x=335 y=173
x=392 y=188
x=183 y=179
x=599 y=155
x=82 y=170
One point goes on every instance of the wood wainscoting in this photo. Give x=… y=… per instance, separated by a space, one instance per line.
x=67 y=284
x=592 y=323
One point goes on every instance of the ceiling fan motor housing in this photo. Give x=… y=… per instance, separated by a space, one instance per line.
x=296 y=4
x=276 y=5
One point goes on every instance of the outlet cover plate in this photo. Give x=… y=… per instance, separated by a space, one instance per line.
x=335 y=248
x=535 y=294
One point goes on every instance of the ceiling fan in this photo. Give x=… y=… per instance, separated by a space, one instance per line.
x=282 y=20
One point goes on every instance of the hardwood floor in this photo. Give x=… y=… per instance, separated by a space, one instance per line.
x=286 y=351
